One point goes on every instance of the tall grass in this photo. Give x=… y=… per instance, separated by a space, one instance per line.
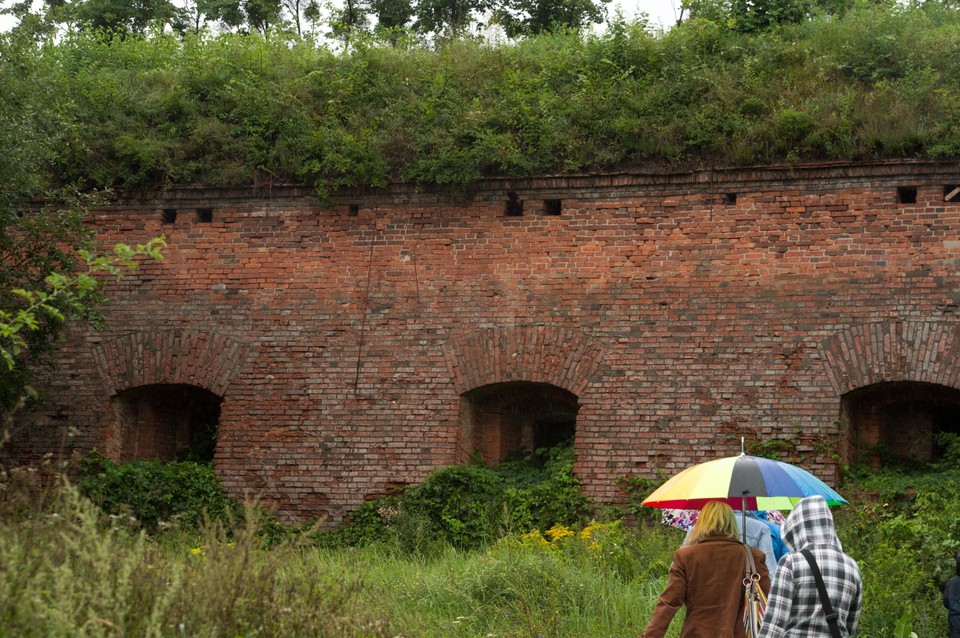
x=68 y=569
x=509 y=590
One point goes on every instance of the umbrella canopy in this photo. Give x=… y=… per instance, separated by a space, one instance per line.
x=742 y=482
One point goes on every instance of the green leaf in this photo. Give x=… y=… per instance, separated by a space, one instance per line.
x=904 y=628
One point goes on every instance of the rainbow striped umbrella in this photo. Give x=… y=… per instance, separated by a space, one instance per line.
x=742 y=482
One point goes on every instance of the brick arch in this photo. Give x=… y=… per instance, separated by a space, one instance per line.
x=544 y=354
x=920 y=351
x=205 y=359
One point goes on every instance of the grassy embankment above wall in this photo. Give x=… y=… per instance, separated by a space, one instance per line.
x=880 y=82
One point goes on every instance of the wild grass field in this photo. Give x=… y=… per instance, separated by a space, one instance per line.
x=70 y=566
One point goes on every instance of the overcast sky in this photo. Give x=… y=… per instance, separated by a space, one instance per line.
x=662 y=12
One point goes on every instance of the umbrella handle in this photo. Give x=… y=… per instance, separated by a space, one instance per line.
x=743 y=513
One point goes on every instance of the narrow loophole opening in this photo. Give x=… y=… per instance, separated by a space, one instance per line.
x=906 y=194
x=514 y=207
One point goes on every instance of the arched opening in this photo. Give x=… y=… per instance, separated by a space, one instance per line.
x=501 y=419
x=166 y=422
x=900 y=421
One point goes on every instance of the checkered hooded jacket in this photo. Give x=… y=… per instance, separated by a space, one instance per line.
x=793 y=606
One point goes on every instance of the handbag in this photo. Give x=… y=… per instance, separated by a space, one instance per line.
x=824 y=598
x=754 y=600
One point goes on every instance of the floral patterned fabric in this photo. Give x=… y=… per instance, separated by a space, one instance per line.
x=685 y=519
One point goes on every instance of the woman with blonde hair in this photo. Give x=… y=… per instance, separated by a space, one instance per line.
x=706 y=577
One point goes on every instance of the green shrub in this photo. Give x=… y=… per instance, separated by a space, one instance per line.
x=903 y=529
x=473 y=505
x=155 y=494
x=461 y=502
x=542 y=491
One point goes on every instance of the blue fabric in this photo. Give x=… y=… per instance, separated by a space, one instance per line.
x=779 y=547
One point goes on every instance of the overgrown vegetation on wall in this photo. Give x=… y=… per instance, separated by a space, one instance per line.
x=471 y=506
x=461 y=506
x=144 y=111
x=157 y=495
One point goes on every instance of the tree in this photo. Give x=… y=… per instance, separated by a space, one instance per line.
x=196 y=14
x=751 y=16
x=263 y=15
x=348 y=19
x=259 y=16
x=123 y=16
x=392 y=15
x=531 y=17
x=40 y=22
x=229 y=13
x=49 y=269
x=308 y=9
x=448 y=18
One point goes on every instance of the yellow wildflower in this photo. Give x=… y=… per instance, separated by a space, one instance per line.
x=558 y=532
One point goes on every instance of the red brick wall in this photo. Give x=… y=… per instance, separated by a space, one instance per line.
x=342 y=338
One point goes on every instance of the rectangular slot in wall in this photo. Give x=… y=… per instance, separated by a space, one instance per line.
x=552 y=207
x=906 y=194
x=514 y=206
x=204 y=215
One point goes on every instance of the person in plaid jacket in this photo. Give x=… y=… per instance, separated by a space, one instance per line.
x=793 y=607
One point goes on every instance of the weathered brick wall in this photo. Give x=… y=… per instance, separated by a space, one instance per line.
x=683 y=311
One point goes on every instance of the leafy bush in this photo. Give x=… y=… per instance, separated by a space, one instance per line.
x=903 y=529
x=460 y=502
x=472 y=506
x=155 y=494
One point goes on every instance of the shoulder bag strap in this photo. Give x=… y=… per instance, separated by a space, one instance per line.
x=751 y=568
x=824 y=598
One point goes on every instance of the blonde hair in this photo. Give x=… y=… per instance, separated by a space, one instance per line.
x=716 y=519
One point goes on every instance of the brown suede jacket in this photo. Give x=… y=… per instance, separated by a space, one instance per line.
x=707 y=578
